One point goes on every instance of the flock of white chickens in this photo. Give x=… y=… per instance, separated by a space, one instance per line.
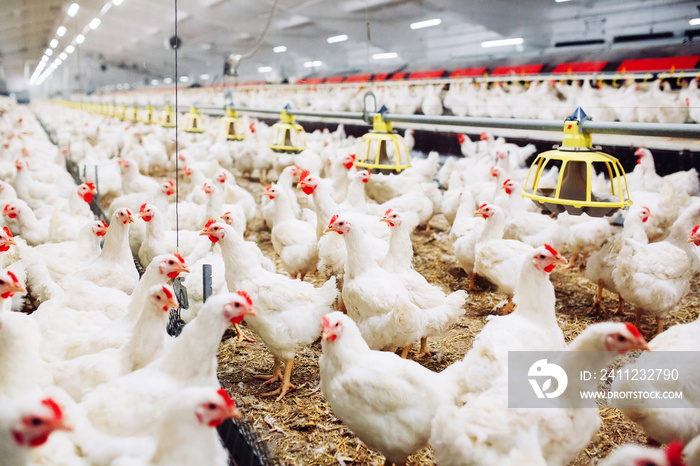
x=649 y=102
x=92 y=378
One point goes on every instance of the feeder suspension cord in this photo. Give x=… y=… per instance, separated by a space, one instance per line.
x=177 y=166
x=259 y=43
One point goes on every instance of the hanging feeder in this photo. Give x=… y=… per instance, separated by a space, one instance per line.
x=146 y=115
x=120 y=112
x=579 y=162
x=132 y=114
x=194 y=121
x=382 y=149
x=167 y=118
x=287 y=136
x=232 y=125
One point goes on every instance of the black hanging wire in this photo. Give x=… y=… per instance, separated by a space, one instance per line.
x=177 y=154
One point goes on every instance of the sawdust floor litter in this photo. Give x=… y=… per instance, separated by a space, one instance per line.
x=301 y=429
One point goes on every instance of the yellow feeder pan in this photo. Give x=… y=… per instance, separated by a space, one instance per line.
x=382 y=149
x=194 y=121
x=146 y=115
x=120 y=112
x=287 y=136
x=578 y=159
x=167 y=118
x=232 y=126
x=132 y=113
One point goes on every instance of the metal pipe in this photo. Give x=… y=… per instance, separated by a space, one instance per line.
x=511 y=123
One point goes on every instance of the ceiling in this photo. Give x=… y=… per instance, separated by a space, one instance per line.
x=129 y=46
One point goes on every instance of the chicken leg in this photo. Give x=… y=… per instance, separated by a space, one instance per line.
x=620 y=306
x=405 y=351
x=423 y=348
x=637 y=316
x=472 y=283
x=276 y=374
x=597 y=306
x=286 y=384
x=509 y=307
x=242 y=336
x=659 y=325
x=572 y=261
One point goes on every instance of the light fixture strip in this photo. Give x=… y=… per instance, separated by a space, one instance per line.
x=502 y=42
x=426 y=24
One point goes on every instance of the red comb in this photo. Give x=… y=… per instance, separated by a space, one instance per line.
x=551 y=250
x=13 y=276
x=168 y=293
x=6 y=208
x=90 y=185
x=210 y=223
x=326 y=322
x=633 y=330
x=179 y=257
x=268 y=188
x=695 y=229
x=353 y=157
x=247 y=297
x=227 y=213
x=304 y=173
x=143 y=207
x=674 y=454
x=57 y=412
x=105 y=224
x=129 y=212
x=388 y=211
x=170 y=183
x=506 y=182
x=223 y=394
x=647 y=209
x=7 y=231
x=333 y=219
x=482 y=206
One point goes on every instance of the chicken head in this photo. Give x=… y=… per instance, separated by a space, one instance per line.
x=171 y=265
x=10 y=284
x=338 y=224
x=167 y=188
x=545 y=258
x=99 y=228
x=86 y=191
x=163 y=297
x=332 y=326
x=146 y=212
x=11 y=210
x=240 y=306
x=215 y=231
x=6 y=239
x=392 y=218
x=217 y=407
x=365 y=176
x=123 y=215
x=35 y=424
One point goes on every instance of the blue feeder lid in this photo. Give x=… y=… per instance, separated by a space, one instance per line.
x=578 y=115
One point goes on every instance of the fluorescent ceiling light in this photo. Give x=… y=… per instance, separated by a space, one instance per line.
x=280 y=49
x=334 y=39
x=561 y=1
x=73 y=9
x=384 y=56
x=695 y=22
x=95 y=23
x=311 y=64
x=61 y=31
x=53 y=43
x=117 y=2
x=426 y=24
x=45 y=58
x=63 y=56
x=184 y=79
x=80 y=38
x=204 y=77
x=154 y=82
x=167 y=80
x=57 y=61
x=502 y=42
x=264 y=69
x=70 y=49
x=48 y=52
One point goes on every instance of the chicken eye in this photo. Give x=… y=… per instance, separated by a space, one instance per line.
x=2 y=282
x=542 y=256
x=158 y=298
x=171 y=262
x=341 y=223
x=237 y=304
x=211 y=406
x=621 y=338
x=35 y=421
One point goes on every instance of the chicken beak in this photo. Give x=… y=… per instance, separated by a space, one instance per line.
x=13 y=242
x=385 y=220
x=62 y=425
x=643 y=345
x=478 y=213
x=18 y=288
x=560 y=260
x=300 y=185
x=249 y=311
x=172 y=303
x=691 y=239
x=329 y=228
x=182 y=268
x=204 y=232
x=233 y=413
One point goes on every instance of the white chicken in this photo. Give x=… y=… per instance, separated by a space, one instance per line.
x=396 y=399
x=294 y=240
x=496 y=258
x=289 y=310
